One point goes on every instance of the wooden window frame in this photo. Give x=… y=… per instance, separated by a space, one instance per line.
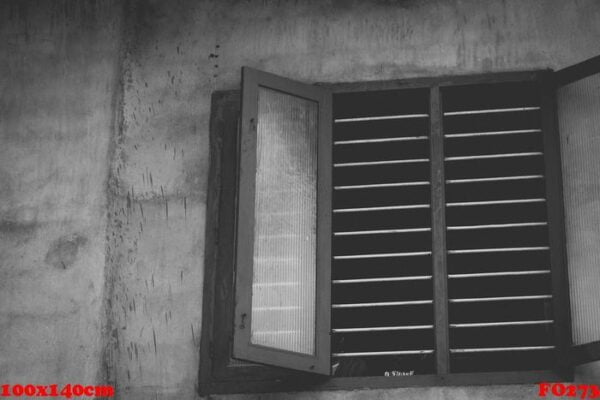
x=218 y=374
x=252 y=81
x=587 y=352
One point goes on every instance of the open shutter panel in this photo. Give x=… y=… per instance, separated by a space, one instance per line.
x=578 y=106
x=283 y=280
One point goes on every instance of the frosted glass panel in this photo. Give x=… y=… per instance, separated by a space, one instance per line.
x=579 y=123
x=284 y=276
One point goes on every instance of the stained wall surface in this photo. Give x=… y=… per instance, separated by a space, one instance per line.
x=59 y=73
x=104 y=110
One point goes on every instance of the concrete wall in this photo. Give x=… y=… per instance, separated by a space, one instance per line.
x=103 y=165
x=59 y=73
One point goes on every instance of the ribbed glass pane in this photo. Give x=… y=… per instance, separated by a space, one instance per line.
x=579 y=123
x=284 y=281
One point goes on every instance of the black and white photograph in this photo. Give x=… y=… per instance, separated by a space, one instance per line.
x=300 y=199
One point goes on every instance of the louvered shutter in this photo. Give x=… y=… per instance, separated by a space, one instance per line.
x=500 y=262
x=448 y=241
x=382 y=296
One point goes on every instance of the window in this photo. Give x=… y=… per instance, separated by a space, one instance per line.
x=400 y=233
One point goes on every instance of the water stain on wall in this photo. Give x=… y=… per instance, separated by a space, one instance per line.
x=63 y=251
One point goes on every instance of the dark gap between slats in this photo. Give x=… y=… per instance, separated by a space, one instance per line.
x=393 y=219
x=496 y=214
x=374 y=292
x=381 y=151
x=378 y=103
x=381 y=197
x=499 y=190
x=374 y=174
x=381 y=268
x=498 y=237
x=505 y=336
x=515 y=143
x=513 y=310
x=492 y=122
x=490 y=96
x=494 y=167
x=382 y=341
x=498 y=262
x=520 y=285
x=504 y=361
x=382 y=243
x=389 y=128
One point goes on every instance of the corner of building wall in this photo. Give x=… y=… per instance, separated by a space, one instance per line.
x=109 y=331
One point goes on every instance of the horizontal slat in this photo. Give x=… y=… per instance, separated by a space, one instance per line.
x=493 y=274
x=380 y=118
x=489 y=156
x=383 y=304
x=382 y=353
x=505 y=323
x=383 y=328
x=386 y=162
x=383 y=255
x=505 y=298
x=495 y=226
x=498 y=250
x=381 y=140
x=390 y=279
x=382 y=185
x=497 y=349
x=492 y=133
x=490 y=111
x=493 y=202
x=496 y=179
x=381 y=231
x=381 y=208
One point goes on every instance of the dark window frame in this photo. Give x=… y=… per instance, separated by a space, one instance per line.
x=252 y=81
x=217 y=372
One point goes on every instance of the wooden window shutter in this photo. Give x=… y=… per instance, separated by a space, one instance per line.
x=383 y=301
x=578 y=111
x=499 y=245
x=283 y=243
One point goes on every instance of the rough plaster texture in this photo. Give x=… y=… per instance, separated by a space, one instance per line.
x=104 y=157
x=58 y=75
